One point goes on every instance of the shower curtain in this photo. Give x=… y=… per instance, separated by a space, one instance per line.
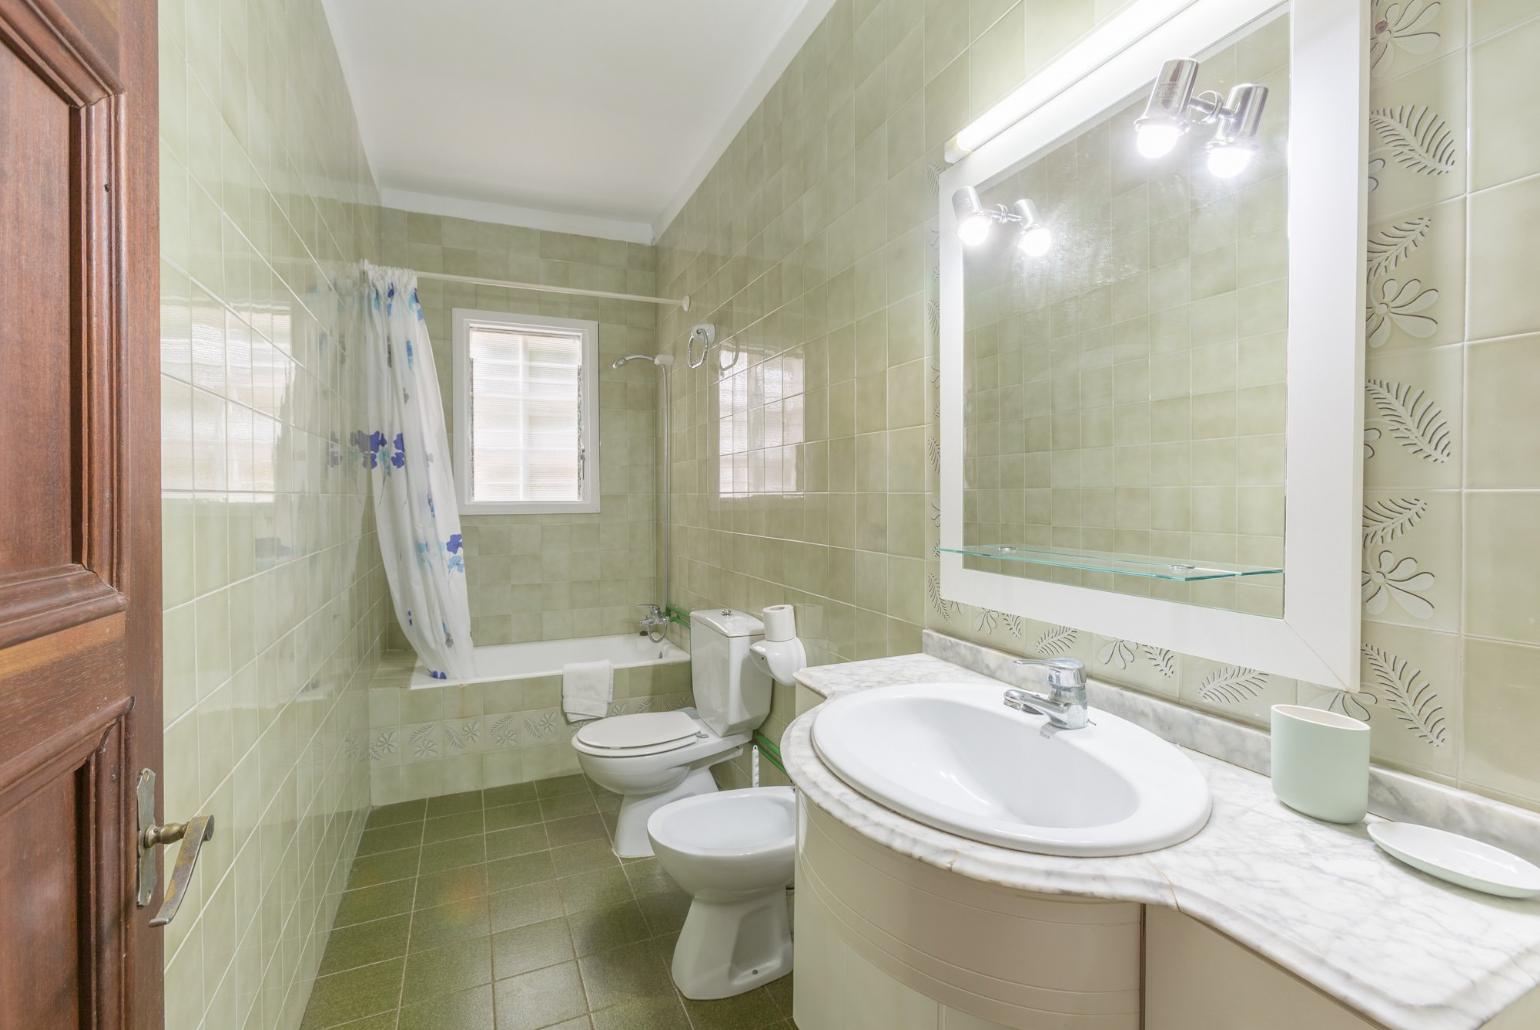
x=406 y=450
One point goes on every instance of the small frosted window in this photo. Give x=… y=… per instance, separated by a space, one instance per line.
x=525 y=432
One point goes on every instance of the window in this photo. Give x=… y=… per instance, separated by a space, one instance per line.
x=526 y=413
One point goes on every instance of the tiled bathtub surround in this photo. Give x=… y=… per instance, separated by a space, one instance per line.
x=806 y=471
x=443 y=740
x=546 y=577
x=275 y=605
x=507 y=908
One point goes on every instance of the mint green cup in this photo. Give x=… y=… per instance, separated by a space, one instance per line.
x=1321 y=763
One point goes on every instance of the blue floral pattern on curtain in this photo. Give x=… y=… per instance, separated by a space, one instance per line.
x=406 y=450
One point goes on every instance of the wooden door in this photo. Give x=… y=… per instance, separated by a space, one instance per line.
x=80 y=710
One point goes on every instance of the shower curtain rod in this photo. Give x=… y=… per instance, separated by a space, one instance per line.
x=573 y=291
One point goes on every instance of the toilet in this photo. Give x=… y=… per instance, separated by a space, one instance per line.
x=653 y=758
x=732 y=852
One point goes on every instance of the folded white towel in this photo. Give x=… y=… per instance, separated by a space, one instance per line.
x=586 y=690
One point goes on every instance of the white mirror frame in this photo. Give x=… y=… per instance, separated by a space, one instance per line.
x=1317 y=639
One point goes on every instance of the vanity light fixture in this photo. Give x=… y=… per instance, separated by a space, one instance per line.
x=1035 y=237
x=974 y=222
x=1174 y=108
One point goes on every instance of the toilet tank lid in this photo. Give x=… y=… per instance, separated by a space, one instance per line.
x=729 y=622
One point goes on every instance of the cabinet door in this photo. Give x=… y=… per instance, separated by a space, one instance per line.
x=1198 y=977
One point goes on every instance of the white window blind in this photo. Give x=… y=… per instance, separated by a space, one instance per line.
x=525 y=425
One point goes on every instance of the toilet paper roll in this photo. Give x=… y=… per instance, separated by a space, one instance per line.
x=780 y=622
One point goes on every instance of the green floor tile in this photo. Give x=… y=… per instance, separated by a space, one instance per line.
x=749 y=1011
x=643 y=1014
x=443 y=888
x=453 y=804
x=365 y=943
x=512 y=794
x=366 y=903
x=565 y=806
x=462 y=1010
x=516 y=872
x=630 y=973
x=390 y=838
x=647 y=877
x=353 y=994
x=370 y=870
x=390 y=815
x=584 y=857
x=450 y=827
x=523 y=814
x=445 y=924
x=665 y=913
x=539 y=999
x=575 y=830
x=452 y=854
x=780 y=993
x=601 y=929
x=598 y=889
x=531 y=947
x=532 y=903
x=517 y=840
x=453 y=967
x=557 y=786
x=378 y=1021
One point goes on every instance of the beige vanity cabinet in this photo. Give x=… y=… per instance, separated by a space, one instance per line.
x=885 y=942
x=1195 y=976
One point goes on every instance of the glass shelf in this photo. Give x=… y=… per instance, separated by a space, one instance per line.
x=1144 y=566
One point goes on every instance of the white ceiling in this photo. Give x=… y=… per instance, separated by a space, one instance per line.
x=589 y=116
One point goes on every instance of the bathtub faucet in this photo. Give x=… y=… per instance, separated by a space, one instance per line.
x=654 y=622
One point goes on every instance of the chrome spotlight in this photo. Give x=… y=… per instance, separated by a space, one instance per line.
x=975 y=221
x=1174 y=108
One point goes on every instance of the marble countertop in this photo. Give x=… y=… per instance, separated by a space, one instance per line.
x=1407 y=950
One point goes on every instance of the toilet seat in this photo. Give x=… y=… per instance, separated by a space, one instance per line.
x=645 y=733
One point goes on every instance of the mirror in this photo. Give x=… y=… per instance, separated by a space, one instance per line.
x=1123 y=358
x=1152 y=339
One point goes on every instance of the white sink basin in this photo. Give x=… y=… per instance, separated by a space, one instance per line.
x=952 y=756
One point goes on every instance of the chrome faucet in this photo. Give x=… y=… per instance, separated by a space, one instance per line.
x=654 y=624
x=1065 y=702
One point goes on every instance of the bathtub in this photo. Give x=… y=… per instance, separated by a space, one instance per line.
x=500 y=662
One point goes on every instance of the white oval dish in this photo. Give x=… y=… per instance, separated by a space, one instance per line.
x=1461 y=860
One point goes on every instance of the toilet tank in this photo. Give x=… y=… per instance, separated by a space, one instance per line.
x=731 y=693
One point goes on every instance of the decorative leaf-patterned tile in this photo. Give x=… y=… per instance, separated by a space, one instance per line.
x=462 y=736
x=1130 y=663
x=1051 y=640
x=1412 y=558
x=1409 y=695
x=1406 y=35
x=421 y=742
x=1416 y=138
x=385 y=746
x=1412 y=418
x=1237 y=691
x=1416 y=284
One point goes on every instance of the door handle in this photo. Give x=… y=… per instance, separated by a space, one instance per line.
x=152 y=834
